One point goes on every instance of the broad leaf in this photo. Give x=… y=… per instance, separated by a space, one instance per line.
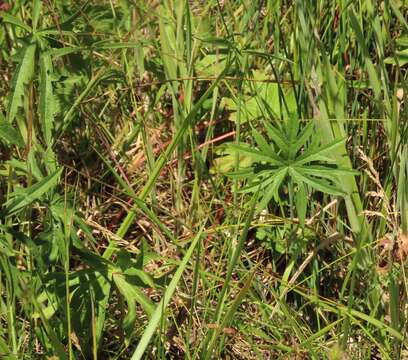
x=9 y=133
x=132 y=295
x=21 y=77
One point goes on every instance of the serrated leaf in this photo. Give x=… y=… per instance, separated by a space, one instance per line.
x=327 y=171
x=21 y=77
x=9 y=134
x=47 y=100
x=277 y=137
x=261 y=142
x=319 y=153
x=32 y=193
x=317 y=184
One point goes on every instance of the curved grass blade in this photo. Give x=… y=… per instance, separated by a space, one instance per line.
x=161 y=307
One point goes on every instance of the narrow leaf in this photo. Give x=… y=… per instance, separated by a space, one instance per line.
x=272 y=190
x=33 y=193
x=318 y=153
x=319 y=185
x=261 y=142
x=47 y=100
x=256 y=154
x=7 y=18
x=37 y=4
x=277 y=137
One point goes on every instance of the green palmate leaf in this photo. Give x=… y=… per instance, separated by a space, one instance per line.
x=21 y=77
x=277 y=137
x=261 y=178
x=272 y=190
x=319 y=153
x=304 y=135
x=9 y=133
x=241 y=174
x=327 y=171
x=318 y=184
x=32 y=193
x=267 y=170
x=47 y=100
x=256 y=155
x=262 y=143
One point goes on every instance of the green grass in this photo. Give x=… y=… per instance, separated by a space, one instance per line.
x=203 y=180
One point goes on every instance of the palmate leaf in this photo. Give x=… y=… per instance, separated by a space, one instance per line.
x=302 y=138
x=21 y=77
x=318 y=153
x=260 y=184
x=256 y=155
x=278 y=138
x=313 y=168
x=272 y=190
x=318 y=184
x=327 y=171
x=262 y=143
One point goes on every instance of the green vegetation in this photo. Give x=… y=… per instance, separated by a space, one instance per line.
x=203 y=179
